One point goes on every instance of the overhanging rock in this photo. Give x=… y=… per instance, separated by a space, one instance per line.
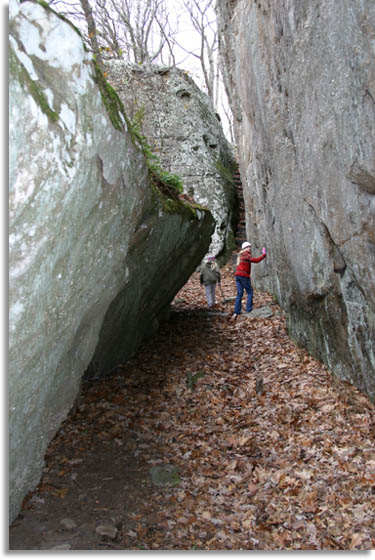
x=92 y=247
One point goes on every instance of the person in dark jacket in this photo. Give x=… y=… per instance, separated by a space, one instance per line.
x=242 y=275
x=210 y=275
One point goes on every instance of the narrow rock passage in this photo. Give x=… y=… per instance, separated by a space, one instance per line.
x=264 y=449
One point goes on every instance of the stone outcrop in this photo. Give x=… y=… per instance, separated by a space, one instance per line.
x=301 y=77
x=181 y=126
x=96 y=253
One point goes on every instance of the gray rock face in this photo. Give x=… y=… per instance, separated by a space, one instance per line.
x=301 y=76
x=182 y=127
x=91 y=246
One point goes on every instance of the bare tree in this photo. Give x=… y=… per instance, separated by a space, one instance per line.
x=92 y=33
x=203 y=19
x=137 y=30
x=71 y=9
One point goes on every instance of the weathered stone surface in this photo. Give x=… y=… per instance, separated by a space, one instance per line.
x=87 y=234
x=181 y=125
x=301 y=76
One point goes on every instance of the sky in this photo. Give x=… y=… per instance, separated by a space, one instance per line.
x=188 y=36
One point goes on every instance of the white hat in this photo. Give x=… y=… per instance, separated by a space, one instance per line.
x=245 y=244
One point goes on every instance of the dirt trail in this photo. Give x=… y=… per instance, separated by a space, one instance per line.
x=284 y=463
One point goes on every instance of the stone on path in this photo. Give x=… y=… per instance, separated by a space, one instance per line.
x=164 y=475
x=68 y=524
x=263 y=312
x=106 y=530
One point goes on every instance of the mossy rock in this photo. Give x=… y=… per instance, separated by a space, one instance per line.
x=165 y=475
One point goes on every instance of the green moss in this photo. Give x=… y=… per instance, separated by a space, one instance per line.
x=32 y=86
x=178 y=207
x=41 y=99
x=225 y=172
x=173 y=205
x=110 y=98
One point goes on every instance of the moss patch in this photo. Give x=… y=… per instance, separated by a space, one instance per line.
x=111 y=100
x=34 y=88
x=226 y=172
x=175 y=205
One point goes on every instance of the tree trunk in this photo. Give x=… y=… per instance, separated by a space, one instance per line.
x=91 y=27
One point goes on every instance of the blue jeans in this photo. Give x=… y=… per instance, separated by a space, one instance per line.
x=243 y=283
x=210 y=294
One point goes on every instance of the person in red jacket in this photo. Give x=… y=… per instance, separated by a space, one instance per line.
x=242 y=275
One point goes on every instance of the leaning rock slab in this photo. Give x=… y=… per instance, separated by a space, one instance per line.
x=87 y=233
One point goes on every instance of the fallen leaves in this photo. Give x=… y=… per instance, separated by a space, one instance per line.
x=290 y=468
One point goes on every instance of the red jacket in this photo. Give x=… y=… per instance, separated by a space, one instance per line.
x=244 y=266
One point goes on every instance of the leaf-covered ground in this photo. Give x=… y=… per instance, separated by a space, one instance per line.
x=287 y=463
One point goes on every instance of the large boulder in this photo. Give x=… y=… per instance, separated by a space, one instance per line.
x=181 y=125
x=96 y=254
x=301 y=76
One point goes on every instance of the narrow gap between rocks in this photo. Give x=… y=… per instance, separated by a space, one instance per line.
x=219 y=435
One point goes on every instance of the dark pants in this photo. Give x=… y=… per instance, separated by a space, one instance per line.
x=242 y=284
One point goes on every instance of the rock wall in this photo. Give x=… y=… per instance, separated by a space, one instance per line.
x=180 y=124
x=301 y=77
x=95 y=254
